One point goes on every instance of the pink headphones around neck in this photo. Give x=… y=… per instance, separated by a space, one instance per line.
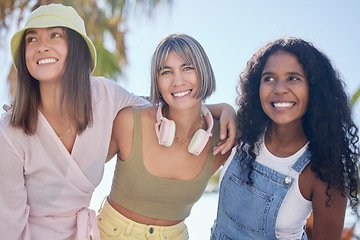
x=165 y=131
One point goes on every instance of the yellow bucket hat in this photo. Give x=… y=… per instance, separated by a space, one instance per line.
x=52 y=15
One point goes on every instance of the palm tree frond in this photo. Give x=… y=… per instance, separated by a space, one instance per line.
x=355 y=97
x=107 y=64
x=105 y=24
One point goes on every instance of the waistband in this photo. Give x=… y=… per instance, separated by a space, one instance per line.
x=137 y=229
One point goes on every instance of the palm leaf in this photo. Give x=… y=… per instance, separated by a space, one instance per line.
x=355 y=97
x=107 y=64
x=108 y=21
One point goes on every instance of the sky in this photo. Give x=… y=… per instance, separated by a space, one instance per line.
x=231 y=31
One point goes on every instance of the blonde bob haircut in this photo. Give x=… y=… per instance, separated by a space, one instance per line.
x=192 y=53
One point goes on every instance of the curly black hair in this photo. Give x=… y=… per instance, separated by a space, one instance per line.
x=327 y=123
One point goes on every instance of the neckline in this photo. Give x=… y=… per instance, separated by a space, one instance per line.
x=137 y=143
x=208 y=164
x=296 y=155
x=54 y=135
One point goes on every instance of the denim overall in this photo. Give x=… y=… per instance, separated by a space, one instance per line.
x=250 y=211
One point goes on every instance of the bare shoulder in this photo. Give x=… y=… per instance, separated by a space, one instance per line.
x=125 y=118
x=329 y=206
x=122 y=134
x=148 y=112
x=148 y=121
x=314 y=189
x=124 y=121
x=125 y=114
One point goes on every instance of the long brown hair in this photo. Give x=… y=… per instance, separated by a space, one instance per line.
x=75 y=86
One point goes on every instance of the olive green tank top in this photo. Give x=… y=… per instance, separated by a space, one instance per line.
x=161 y=198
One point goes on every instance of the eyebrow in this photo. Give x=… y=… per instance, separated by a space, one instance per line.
x=164 y=67
x=167 y=67
x=30 y=32
x=289 y=73
x=296 y=73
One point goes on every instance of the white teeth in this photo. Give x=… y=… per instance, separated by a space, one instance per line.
x=181 y=94
x=283 y=105
x=48 y=60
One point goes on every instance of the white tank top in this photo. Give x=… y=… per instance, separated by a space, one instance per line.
x=295 y=209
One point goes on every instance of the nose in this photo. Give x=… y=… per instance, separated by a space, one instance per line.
x=178 y=79
x=281 y=87
x=42 y=46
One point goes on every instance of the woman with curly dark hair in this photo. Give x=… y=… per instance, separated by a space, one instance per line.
x=297 y=152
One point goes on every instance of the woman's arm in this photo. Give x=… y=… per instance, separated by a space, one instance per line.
x=328 y=219
x=122 y=134
x=123 y=98
x=227 y=116
x=15 y=210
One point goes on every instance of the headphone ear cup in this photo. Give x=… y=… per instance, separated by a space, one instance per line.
x=198 y=142
x=167 y=133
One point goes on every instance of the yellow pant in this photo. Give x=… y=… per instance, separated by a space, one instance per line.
x=113 y=225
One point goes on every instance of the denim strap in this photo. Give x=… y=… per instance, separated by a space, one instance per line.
x=302 y=162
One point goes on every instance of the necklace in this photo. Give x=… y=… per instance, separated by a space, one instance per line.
x=177 y=139
x=65 y=133
x=276 y=148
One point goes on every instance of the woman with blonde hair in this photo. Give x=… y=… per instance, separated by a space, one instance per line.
x=165 y=151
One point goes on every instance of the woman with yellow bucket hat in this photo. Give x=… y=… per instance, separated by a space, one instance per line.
x=54 y=141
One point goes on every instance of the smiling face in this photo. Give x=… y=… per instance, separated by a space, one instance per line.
x=284 y=89
x=46 y=50
x=178 y=82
